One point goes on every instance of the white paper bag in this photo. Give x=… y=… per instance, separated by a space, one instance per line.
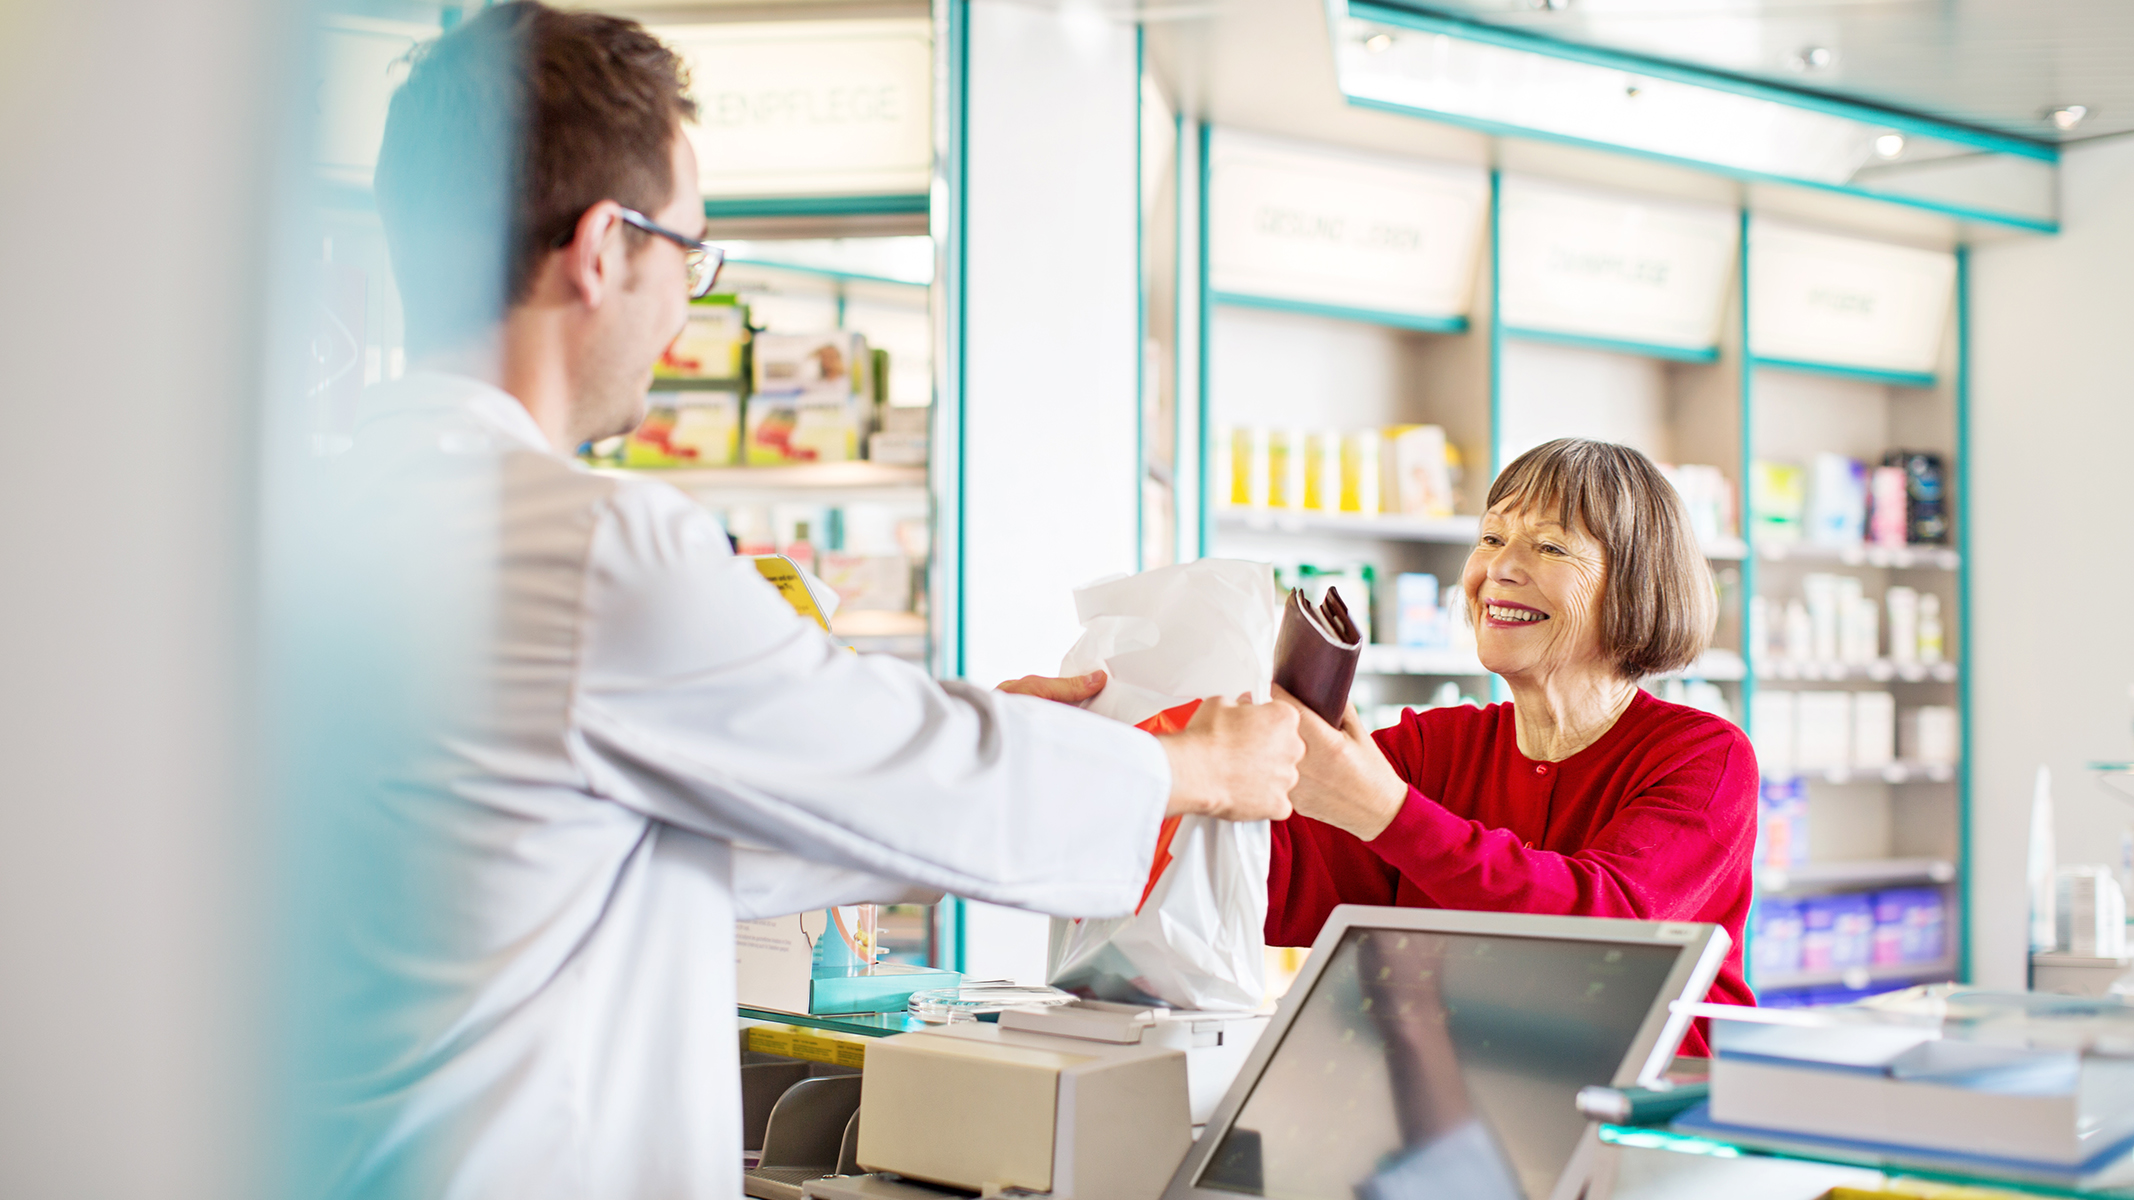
x=1167 y=637
x=1175 y=634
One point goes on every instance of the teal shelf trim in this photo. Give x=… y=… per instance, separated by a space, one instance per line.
x=956 y=168
x=1499 y=129
x=1370 y=316
x=1964 y=572
x=1206 y=304
x=818 y=206
x=1863 y=374
x=1579 y=341
x=1141 y=311
x=1429 y=21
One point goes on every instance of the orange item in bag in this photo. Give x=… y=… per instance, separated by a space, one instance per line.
x=1170 y=720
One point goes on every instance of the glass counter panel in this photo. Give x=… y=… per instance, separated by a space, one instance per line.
x=872 y=1025
x=1636 y=1138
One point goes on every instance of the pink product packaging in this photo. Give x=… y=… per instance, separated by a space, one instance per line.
x=1887 y=511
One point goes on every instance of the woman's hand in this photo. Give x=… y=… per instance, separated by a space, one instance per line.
x=1073 y=689
x=1344 y=780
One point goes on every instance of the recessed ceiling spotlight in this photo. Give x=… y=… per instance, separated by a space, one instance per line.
x=2066 y=118
x=1812 y=58
x=1378 y=43
x=1548 y=5
x=1889 y=145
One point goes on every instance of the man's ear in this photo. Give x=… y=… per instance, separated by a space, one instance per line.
x=587 y=272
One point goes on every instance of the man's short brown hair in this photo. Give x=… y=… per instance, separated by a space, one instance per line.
x=1657 y=606
x=508 y=128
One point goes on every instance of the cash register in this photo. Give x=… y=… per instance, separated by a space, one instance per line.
x=1421 y=1053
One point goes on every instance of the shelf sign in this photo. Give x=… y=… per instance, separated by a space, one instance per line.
x=1841 y=301
x=1331 y=228
x=1613 y=268
x=810 y=108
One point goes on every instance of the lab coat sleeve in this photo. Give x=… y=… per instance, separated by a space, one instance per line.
x=768 y=883
x=704 y=701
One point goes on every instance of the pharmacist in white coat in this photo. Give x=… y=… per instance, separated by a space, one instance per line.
x=553 y=739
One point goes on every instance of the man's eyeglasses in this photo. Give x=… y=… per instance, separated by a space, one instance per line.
x=702 y=258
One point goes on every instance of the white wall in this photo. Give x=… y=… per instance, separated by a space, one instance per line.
x=134 y=219
x=1052 y=355
x=2053 y=472
x=1550 y=392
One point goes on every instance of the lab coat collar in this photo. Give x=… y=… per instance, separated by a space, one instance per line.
x=492 y=406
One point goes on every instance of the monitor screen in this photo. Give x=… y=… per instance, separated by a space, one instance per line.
x=1438 y=1065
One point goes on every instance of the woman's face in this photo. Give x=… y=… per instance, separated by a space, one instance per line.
x=1534 y=592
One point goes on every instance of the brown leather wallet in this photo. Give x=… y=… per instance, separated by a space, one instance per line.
x=1315 y=654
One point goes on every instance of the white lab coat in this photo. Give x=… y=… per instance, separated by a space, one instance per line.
x=557 y=740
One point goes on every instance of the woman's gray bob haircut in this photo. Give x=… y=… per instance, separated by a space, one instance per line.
x=1657 y=604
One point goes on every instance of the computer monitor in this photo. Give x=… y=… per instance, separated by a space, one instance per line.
x=1433 y=1055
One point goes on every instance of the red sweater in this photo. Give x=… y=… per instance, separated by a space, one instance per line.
x=1655 y=821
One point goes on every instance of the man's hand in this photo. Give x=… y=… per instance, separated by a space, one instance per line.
x=1344 y=780
x=1237 y=761
x=1074 y=689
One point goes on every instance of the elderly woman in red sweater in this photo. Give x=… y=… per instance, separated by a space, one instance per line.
x=1584 y=795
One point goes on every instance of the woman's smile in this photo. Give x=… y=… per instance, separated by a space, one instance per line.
x=1503 y=614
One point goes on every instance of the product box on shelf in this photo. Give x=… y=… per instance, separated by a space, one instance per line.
x=711 y=343
x=1910 y=926
x=1822 y=731
x=1874 y=729
x=1837 y=932
x=1419 y=462
x=800 y=429
x=1926 y=507
x=1707 y=496
x=1782 y=823
x=903 y=438
x=685 y=429
x=1408 y=469
x=1928 y=735
x=1778 y=502
x=1418 y=619
x=1837 y=500
x=1775 y=944
x=867 y=582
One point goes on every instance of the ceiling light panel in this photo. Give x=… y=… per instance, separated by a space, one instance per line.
x=1418 y=65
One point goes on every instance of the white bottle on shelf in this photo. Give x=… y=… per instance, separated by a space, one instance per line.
x=1823 y=610
x=1903 y=605
x=1800 y=633
x=1874 y=730
x=1930 y=640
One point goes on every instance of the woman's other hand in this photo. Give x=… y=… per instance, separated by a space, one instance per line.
x=1344 y=780
x=1074 y=689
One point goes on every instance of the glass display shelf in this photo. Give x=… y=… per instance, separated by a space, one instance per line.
x=1852 y=875
x=2117 y=776
x=1880 y=670
x=1678 y=1142
x=1451 y=531
x=807 y=482
x=1860 y=554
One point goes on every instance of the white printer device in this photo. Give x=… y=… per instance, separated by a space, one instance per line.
x=1085 y=1101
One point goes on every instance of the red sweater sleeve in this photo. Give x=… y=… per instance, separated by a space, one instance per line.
x=1660 y=856
x=1313 y=867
